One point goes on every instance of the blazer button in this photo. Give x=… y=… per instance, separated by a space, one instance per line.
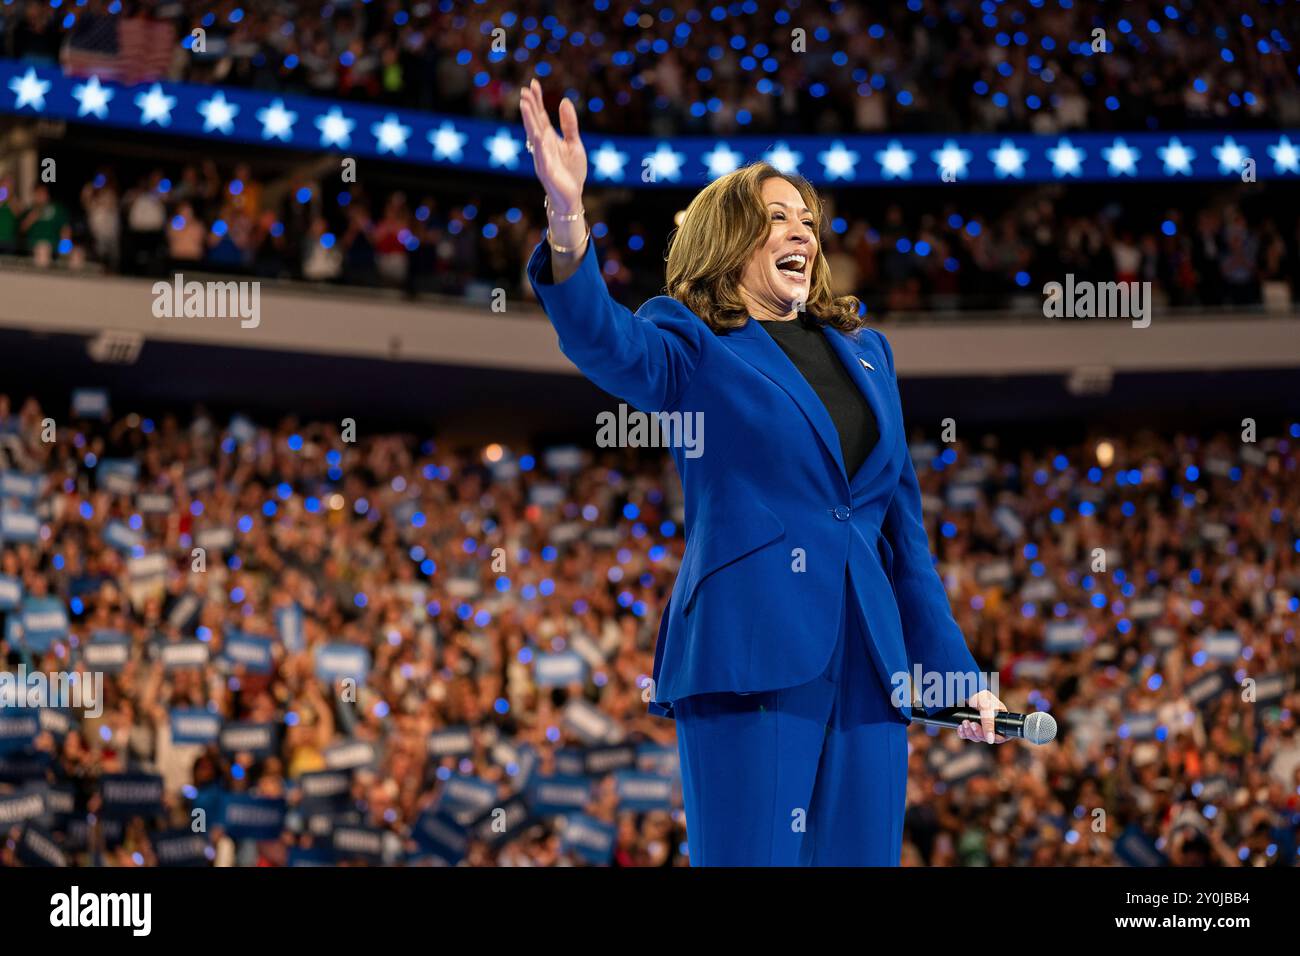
x=842 y=513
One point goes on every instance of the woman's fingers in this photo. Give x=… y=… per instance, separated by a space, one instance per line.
x=569 y=123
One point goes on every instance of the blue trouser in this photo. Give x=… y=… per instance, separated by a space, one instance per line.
x=813 y=775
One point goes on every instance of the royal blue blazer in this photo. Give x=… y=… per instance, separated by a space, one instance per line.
x=771 y=479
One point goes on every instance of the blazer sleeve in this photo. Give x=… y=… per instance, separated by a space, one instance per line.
x=647 y=363
x=930 y=632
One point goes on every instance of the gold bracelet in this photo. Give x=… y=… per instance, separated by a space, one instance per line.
x=567 y=249
x=546 y=204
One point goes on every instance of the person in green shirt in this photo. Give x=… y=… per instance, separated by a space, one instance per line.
x=44 y=221
x=9 y=214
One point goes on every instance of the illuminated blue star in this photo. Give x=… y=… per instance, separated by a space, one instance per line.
x=218 y=114
x=1230 y=156
x=1067 y=159
x=277 y=122
x=666 y=162
x=951 y=159
x=447 y=142
x=1008 y=160
x=155 y=106
x=390 y=134
x=1176 y=157
x=784 y=158
x=29 y=90
x=1286 y=158
x=722 y=160
x=503 y=149
x=838 y=161
x=609 y=161
x=895 y=162
x=1122 y=158
x=92 y=97
x=335 y=128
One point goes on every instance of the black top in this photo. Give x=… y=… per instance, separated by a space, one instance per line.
x=805 y=343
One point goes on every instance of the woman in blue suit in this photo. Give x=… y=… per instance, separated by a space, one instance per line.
x=807 y=599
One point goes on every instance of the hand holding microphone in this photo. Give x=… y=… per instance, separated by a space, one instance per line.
x=980 y=721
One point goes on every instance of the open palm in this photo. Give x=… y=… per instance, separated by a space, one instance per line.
x=560 y=163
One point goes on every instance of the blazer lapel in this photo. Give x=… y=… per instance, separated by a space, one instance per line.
x=874 y=384
x=756 y=347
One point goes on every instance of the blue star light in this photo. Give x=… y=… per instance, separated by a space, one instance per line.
x=895 y=162
x=722 y=160
x=784 y=158
x=1286 y=158
x=277 y=122
x=503 y=149
x=447 y=142
x=1008 y=160
x=390 y=135
x=838 y=161
x=1121 y=158
x=666 y=162
x=951 y=160
x=609 y=161
x=155 y=106
x=1230 y=156
x=92 y=98
x=1067 y=159
x=1176 y=157
x=335 y=128
x=29 y=90
x=218 y=114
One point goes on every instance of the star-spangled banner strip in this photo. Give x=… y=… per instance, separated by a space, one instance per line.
x=359 y=130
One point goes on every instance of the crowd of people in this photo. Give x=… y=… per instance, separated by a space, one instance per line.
x=1233 y=248
x=504 y=603
x=745 y=65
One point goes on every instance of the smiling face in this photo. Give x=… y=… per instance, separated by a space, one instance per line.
x=779 y=272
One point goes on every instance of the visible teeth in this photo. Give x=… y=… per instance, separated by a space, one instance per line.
x=794 y=258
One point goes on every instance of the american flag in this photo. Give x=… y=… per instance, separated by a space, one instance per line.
x=129 y=50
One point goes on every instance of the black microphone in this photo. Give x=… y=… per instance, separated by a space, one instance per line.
x=1037 y=728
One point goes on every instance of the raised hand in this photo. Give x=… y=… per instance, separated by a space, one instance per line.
x=560 y=164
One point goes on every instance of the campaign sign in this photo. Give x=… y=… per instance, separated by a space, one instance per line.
x=18 y=728
x=337 y=661
x=192 y=725
x=184 y=611
x=20 y=807
x=180 y=848
x=658 y=759
x=257 y=739
x=184 y=655
x=598 y=761
x=323 y=792
x=11 y=592
x=588 y=839
x=253 y=653
x=350 y=754
x=439 y=835
x=467 y=797
x=289 y=621
x=1135 y=848
x=249 y=817
x=25 y=487
x=106 y=651
x=358 y=843
x=1140 y=726
x=131 y=795
x=570 y=762
x=37 y=848
x=121 y=538
x=554 y=795
x=18 y=526
x=117 y=475
x=90 y=403
x=1064 y=637
x=643 y=792
x=559 y=670
x=154 y=503
x=451 y=742
x=1221 y=646
x=44 y=621
x=498 y=825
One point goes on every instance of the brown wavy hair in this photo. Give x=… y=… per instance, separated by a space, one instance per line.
x=721 y=228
